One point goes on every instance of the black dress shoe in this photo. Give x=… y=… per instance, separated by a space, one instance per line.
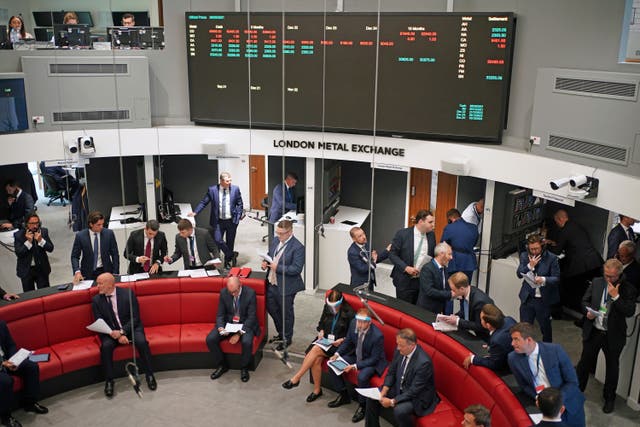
x=342 y=399
x=108 y=388
x=37 y=408
x=281 y=345
x=312 y=397
x=359 y=414
x=608 y=407
x=10 y=422
x=219 y=372
x=244 y=375
x=290 y=384
x=275 y=338
x=151 y=382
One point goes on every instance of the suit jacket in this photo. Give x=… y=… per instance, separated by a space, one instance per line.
x=462 y=237
x=345 y=316
x=433 y=294
x=289 y=269
x=620 y=309
x=37 y=253
x=280 y=206
x=550 y=424
x=108 y=251
x=6 y=341
x=401 y=254
x=616 y=236
x=499 y=348
x=560 y=373
x=419 y=383
x=359 y=264
x=372 y=348
x=207 y=248
x=213 y=196
x=247 y=310
x=135 y=248
x=477 y=300
x=548 y=268
x=580 y=255
x=19 y=209
x=128 y=311
x=632 y=274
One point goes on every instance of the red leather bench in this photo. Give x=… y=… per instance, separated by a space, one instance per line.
x=177 y=314
x=456 y=386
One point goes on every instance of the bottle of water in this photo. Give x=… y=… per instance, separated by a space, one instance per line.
x=15 y=35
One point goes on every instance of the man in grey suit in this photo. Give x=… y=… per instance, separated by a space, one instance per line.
x=194 y=245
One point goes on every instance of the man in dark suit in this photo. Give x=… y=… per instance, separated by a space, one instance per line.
x=538 y=365
x=621 y=232
x=581 y=262
x=20 y=204
x=435 y=294
x=283 y=198
x=118 y=307
x=194 y=245
x=472 y=300
x=146 y=249
x=98 y=249
x=411 y=248
x=494 y=321
x=409 y=386
x=476 y=416
x=363 y=260
x=462 y=237
x=226 y=212
x=363 y=350
x=631 y=267
x=614 y=299
x=285 y=280
x=31 y=245
x=27 y=370
x=237 y=305
x=541 y=267
x=549 y=401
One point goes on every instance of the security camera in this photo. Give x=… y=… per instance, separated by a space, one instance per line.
x=577 y=180
x=73 y=146
x=86 y=145
x=558 y=183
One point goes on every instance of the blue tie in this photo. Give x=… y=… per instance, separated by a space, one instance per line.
x=96 y=251
x=465 y=308
x=193 y=252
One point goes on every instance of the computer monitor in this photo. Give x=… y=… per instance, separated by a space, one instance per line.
x=51 y=18
x=124 y=37
x=68 y=36
x=13 y=103
x=5 y=43
x=151 y=37
x=142 y=18
x=43 y=34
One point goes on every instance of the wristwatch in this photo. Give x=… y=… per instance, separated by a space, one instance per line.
x=393 y=403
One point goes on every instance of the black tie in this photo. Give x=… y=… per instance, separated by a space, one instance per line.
x=400 y=374
x=630 y=233
x=114 y=321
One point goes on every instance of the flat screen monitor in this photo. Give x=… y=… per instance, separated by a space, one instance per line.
x=152 y=37
x=142 y=18
x=43 y=34
x=4 y=38
x=70 y=36
x=124 y=37
x=51 y=18
x=13 y=105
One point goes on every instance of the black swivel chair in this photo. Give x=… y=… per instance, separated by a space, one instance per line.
x=53 y=190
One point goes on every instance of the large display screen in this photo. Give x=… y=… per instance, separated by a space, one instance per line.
x=13 y=105
x=441 y=76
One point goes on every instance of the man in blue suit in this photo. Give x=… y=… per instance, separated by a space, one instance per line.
x=435 y=294
x=285 y=280
x=472 y=299
x=621 y=232
x=283 y=198
x=362 y=260
x=226 y=213
x=95 y=250
x=411 y=248
x=538 y=365
x=462 y=237
x=363 y=349
x=493 y=320
x=541 y=268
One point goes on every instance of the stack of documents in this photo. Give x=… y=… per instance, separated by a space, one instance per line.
x=441 y=325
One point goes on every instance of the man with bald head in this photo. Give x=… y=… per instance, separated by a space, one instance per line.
x=118 y=307
x=237 y=306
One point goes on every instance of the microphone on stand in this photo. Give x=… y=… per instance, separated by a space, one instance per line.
x=132 y=372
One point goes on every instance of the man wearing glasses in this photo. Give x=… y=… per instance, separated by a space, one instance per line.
x=32 y=244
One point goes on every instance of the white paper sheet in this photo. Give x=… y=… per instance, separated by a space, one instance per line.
x=20 y=356
x=595 y=312
x=184 y=273
x=370 y=392
x=444 y=327
x=212 y=273
x=213 y=261
x=83 y=284
x=232 y=328
x=530 y=278
x=265 y=256
x=200 y=272
x=100 y=326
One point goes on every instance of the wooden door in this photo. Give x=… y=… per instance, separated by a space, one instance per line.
x=445 y=200
x=257 y=183
x=419 y=192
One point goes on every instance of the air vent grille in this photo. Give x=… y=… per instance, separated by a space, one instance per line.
x=601 y=88
x=90 y=116
x=592 y=150
x=95 y=69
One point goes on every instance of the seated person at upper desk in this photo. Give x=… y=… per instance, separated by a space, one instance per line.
x=283 y=198
x=27 y=370
x=333 y=325
x=237 y=305
x=128 y=20
x=20 y=204
x=472 y=300
x=493 y=320
x=70 y=18
x=409 y=386
x=363 y=260
x=31 y=245
x=146 y=249
x=7 y=296
x=17 y=31
x=363 y=350
x=435 y=294
x=118 y=307
x=95 y=250
x=194 y=245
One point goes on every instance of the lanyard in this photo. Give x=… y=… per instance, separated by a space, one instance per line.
x=335 y=320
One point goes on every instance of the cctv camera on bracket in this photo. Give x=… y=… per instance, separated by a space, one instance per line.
x=86 y=145
x=583 y=187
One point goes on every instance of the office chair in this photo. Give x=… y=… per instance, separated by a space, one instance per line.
x=53 y=190
x=265 y=204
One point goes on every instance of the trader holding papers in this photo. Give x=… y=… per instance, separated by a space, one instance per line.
x=236 y=321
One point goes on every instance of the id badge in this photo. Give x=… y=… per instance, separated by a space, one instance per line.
x=331 y=337
x=236 y=319
x=539 y=389
x=603 y=309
